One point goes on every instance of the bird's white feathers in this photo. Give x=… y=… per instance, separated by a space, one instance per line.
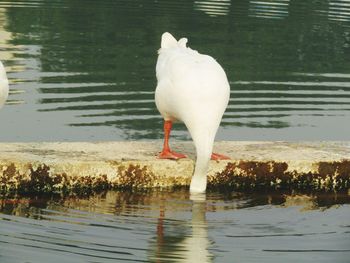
x=4 y=85
x=192 y=88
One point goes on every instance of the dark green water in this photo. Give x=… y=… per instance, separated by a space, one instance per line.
x=170 y=227
x=85 y=70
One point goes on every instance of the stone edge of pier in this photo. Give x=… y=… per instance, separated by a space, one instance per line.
x=89 y=166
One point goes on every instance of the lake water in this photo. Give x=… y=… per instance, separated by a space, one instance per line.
x=85 y=70
x=170 y=227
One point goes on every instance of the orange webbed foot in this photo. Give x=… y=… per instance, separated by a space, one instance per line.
x=171 y=155
x=216 y=157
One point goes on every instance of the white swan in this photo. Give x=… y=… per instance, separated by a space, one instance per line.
x=4 y=85
x=192 y=88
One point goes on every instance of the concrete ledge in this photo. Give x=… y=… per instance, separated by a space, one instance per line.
x=47 y=167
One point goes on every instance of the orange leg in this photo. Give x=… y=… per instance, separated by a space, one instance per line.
x=166 y=152
x=216 y=156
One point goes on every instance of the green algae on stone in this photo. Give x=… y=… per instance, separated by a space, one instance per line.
x=251 y=175
x=241 y=175
x=248 y=175
x=42 y=180
x=135 y=176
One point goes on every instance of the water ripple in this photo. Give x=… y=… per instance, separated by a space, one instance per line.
x=90 y=66
x=159 y=226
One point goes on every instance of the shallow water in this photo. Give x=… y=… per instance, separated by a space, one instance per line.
x=175 y=227
x=84 y=70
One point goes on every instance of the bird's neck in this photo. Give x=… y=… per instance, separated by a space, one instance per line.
x=204 y=147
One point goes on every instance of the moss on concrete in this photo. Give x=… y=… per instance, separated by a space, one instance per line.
x=243 y=175
x=87 y=167
x=247 y=175
x=42 y=180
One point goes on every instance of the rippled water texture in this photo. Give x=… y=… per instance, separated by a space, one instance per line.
x=85 y=70
x=170 y=227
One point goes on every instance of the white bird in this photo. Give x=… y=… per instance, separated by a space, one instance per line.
x=192 y=88
x=4 y=85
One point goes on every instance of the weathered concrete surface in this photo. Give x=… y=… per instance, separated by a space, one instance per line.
x=81 y=166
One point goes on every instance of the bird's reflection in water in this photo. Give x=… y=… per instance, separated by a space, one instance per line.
x=179 y=241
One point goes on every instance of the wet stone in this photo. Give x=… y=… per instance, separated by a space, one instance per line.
x=87 y=167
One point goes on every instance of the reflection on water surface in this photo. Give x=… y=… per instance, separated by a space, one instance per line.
x=89 y=66
x=176 y=227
